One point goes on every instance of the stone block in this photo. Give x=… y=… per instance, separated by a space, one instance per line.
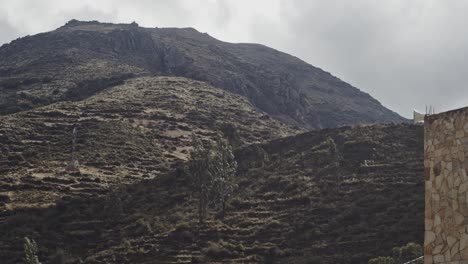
x=429 y=237
x=428 y=259
x=454 y=250
x=437 y=249
x=451 y=241
x=464 y=254
x=447 y=256
x=460 y=134
x=463 y=187
x=437 y=220
x=439 y=259
x=463 y=241
x=428 y=224
x=459 y=218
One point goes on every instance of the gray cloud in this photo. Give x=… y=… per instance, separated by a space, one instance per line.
x=407 y=54
x=7 y=32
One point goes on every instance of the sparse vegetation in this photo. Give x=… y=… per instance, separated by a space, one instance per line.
x=298 y=204
x=402 y=254
x=74 y=165
x=216 y=251
x=225 y=167
x=201 y=174
x=30 y=251
x=212 y=170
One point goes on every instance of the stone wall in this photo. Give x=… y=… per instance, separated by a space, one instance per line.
x=446 y=182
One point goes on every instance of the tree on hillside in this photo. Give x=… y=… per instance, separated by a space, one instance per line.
x=30 y=251
x=409 y=252
x=382 y=260
x=224 y=170
x=333 y=150
x=200 y=171
x=73 y=166
x=231 y=133
x=212 y=171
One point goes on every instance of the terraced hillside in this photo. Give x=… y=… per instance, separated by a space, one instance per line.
x=331 y=196
x=126 y=133
x=81 y=59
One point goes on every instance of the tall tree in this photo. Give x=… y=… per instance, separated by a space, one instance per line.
x=199 y=168
x=30 y=251
x=73 y=166
x=224 y=169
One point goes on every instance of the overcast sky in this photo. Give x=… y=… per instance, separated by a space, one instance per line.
x=405 y=53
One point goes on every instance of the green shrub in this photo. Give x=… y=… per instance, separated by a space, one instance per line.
x=402 y=254
x=382 y=260
x=232 y=247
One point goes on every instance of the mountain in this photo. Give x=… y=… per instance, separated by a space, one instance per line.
x=81 y=59
x=132 y=131
x=339 y=195
x=130 y=98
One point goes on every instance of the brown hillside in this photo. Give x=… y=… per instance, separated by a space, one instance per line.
x=129 y=132
x=300 y=199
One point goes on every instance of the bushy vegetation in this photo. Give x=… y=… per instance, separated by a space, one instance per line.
x=402 y=254
x=211 y=170
x=225 y=167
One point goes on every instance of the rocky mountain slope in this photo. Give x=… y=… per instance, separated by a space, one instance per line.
x=330 y=196
x=136 y=94
x=82 y=58
x=126 y=133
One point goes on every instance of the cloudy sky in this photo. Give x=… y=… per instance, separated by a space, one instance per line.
x=406 y=53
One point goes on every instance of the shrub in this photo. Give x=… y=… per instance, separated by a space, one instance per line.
x=30 y=251
x=232 y=247
x=143 y=227
x=401 y=254
x=274 y=224
x=216 y=251
x=382 y=260
x=182 y=226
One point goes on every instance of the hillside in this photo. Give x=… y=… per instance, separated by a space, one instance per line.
x=308 y=198
x=81 y=59
x=133 y=131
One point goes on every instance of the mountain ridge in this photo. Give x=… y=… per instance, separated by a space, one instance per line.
x=342 y=194
x=282 y=85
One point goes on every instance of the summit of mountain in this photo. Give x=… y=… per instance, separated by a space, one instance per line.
x=81 y=59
